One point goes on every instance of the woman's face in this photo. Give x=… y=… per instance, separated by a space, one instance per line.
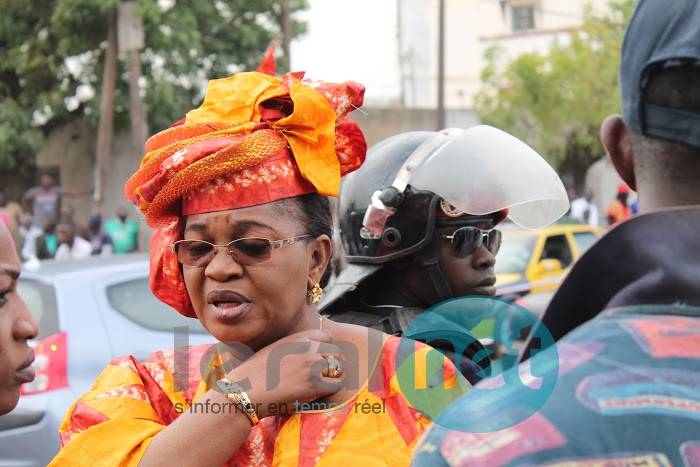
x=260 y=303
x=17 y=325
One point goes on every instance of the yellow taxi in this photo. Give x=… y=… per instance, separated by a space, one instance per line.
x=537 y=260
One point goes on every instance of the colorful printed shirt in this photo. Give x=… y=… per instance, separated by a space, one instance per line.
x=131 y=402
x=628 y=394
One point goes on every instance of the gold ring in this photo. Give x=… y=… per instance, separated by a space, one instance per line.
x=335 y=369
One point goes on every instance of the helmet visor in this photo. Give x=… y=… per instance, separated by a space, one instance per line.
x=484 y=170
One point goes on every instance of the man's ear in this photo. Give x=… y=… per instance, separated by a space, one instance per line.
x=615 y=136
x=321 y=251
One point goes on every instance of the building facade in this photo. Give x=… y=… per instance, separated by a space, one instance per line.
x=471 y=28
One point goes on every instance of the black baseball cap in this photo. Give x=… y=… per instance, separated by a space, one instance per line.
x=661 y=34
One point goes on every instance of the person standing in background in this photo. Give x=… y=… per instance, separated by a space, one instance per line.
x=47 y=243
x=71 y=246
x=28 y=233
x=44 y=201
x=584 y=211
x=123 y=231
x=101 y=242
x=618 y=210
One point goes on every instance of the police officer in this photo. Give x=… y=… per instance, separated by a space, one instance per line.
x=418 y=221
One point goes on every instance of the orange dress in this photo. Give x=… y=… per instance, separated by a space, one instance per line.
x=114 y=422
x=618 y=212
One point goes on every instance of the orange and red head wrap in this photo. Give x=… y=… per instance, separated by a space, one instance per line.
x=255 y=139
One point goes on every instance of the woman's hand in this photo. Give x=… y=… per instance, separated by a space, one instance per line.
x=288 y=372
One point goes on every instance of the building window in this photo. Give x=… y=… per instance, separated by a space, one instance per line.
x=523 y=17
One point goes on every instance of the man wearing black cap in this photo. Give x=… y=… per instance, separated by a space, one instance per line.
x=628 y=388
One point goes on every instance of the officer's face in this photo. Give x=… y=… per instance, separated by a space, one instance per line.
x=472 y=274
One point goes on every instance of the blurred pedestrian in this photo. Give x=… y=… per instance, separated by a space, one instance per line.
x=123 y=231
x=584 y=211
x=634 y=206
x=10 y=215
x=618 y=210
x=28 y=233
x=101 y=242
x=47 y=242
x=44 y=201
x=17 y=326
x=70 y=245
x=625 y=371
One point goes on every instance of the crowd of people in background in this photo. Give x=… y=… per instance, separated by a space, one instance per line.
x=584 y=211
x=43 y=227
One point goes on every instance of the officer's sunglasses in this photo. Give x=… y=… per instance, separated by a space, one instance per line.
x=466 y=240
x=246 y=251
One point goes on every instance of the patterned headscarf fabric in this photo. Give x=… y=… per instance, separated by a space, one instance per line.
x=255 y=139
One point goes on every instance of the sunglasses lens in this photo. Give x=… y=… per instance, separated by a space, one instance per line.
x=466 y=240
x=251 y=250
x=194 y=252
x=494 y=241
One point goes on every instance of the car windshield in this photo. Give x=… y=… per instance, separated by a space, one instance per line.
x=515 y=253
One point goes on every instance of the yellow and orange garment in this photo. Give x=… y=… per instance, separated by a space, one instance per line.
x=131 y=402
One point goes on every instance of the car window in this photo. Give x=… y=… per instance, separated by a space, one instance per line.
x=557 y=247
x=515 y=253
x=134 y=300
x=41 y=300
x=584 y=240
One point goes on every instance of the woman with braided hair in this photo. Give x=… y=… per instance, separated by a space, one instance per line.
x=236 y=193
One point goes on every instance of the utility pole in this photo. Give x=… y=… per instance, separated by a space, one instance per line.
x=399 y=42
x=131 y=42
x=441 y=67
x=286 y=33
x=139 y=125
x=104 y=130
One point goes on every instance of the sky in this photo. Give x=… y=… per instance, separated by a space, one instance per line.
x=351 y=40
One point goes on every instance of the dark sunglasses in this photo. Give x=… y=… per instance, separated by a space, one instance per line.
x=466 y=240
x=246 y=251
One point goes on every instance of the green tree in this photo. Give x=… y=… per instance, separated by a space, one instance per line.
x=557 y=101
x=53 y=54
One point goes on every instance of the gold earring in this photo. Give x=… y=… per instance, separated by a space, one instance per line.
x=315 y=294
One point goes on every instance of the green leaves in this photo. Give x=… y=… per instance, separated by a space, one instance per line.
x=53 y=55
x=557 y=101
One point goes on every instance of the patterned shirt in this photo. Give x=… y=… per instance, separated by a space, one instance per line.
x=628 y=394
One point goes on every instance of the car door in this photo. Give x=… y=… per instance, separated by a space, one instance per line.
x=554 y=246
x=139 y=324
x=583 y=241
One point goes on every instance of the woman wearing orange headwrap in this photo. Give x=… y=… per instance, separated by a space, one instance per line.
x=236 y=194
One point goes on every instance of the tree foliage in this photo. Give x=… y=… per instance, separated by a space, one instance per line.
x=557 y=101
x=53 y=54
